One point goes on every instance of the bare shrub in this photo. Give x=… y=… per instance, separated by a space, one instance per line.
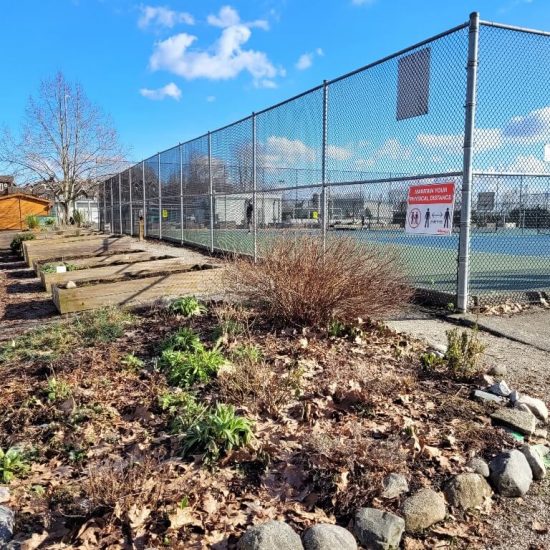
x=298 y=283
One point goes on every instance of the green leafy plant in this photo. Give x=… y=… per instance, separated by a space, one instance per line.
x=16 y=243
x=50 y=222
x=184 y=368
x=187 y=306
x=132 y=362
x=464 y=353
x=218 y=431
x=32 y=221
x=12 y=463
x=184 y=409
x=52 y=267
x=57 y=390
x=430 y=361
x=185 y=339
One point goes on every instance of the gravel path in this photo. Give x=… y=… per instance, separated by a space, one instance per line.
x=517 y=523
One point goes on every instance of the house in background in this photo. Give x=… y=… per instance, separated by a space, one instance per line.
x=16 y=205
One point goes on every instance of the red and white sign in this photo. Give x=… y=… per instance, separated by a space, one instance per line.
x=430 y=209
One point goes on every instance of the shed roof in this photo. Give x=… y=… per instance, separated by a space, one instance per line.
x=25 y=196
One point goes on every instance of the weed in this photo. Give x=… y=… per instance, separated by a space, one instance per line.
x=103 y=325
x=57 y=390
x=247 y=352
x=184 y=409
x=16 y=243
x=336 y=328
x=187 y=306
x=464 y=353
x=132 y=362
x=79 y=217
x=430 y=361
x=32 y=221
x=50 y=222
x=185 y=368
x=52 y=267
x=233 y=321
x=12 y=464
x=218 y=431
x=301 y=282
x=183 y=340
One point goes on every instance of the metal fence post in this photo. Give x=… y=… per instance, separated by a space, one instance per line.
x=104 y=205
x=324 y=220
x=211 y=192
x=112 y=225
x=160 y=198
x=181 y=194
x=469 y=131
x=120 y=202
x=144 y=211
x=254 y=192
x=131 y=207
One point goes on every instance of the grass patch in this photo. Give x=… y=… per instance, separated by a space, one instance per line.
x=12 y=464
x=186 y=368
x=187 y=306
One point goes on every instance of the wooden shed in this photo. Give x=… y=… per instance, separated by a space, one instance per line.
x=14 y=208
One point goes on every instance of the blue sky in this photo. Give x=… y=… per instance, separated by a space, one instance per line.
x=160 y=69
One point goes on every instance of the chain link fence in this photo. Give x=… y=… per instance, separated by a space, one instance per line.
x=469 y=107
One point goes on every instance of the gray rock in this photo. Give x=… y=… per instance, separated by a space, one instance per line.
x=498 y=370
x=500 y=388
x=394 y=486
x=378 y=530
x=542 y=433
x=543 y=450
x=4 y=494
x=467 y=491
x=328 y=537
x=487 y=380
x=273 y=535
x=423 y=509
x=535 y=460
x=70 y=284
x=536 y=406
x=511 y=474
x=7 y=521
x=521 y=421
x=479 y=466
x=481 y=395
x=514 y=396
x=522 y=407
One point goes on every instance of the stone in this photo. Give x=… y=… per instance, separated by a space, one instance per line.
x=541 y=433
x=514 y=396
x=423 y=509
x=535 y=460
x=511 y=474
x=498 y=370
x=543 y=450
x=377 y=529
x=479 y=466
x=273 y=535
x=7 y=521
x=536 y=406
x=522 y=407
x=328 y=537
x=481 y=395
x=521 y=421
x=487 y=380
x=467 y=491
x=500 y=388
x=4 y=494
x=394 y=486
x=70 y=284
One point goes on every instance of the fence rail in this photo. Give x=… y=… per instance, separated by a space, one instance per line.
x=469 y=106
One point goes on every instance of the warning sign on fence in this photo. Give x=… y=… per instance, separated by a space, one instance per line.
x=430 y=209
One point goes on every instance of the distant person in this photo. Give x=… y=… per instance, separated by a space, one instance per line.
x=446 y=218
x=427 y=222
x=71 y=220
x=249 y=212
x=362 y=222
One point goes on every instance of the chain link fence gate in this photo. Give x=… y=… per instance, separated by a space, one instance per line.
x=470 y=106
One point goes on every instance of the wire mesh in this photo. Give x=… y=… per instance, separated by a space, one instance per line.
x=393 y=124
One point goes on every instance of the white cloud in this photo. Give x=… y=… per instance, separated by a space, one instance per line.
x=338 y=153
x=279 y=150
x=228 y=17
x=210 y=98
x=528 y=164
x=362 y=2
x=486 y=139
x=305 y=61
x=391 y=149
x=170 y=90
x=225 y=59
x=530 y=128
x=161 y=16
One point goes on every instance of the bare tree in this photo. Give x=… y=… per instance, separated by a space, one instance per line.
x=66 y=144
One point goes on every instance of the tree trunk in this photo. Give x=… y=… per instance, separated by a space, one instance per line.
x=64 y=208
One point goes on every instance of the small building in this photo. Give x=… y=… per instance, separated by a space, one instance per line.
x=6 y=185
x=15 y=207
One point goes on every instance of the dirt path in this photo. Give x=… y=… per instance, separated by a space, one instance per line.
x=528 y=369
